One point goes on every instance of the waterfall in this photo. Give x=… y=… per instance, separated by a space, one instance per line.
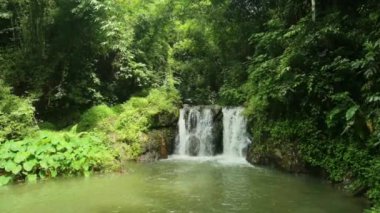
x=196 y=132
x=202 y=132
x=235 y=137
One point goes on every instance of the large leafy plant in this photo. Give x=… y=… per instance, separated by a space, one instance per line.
x=49 y=154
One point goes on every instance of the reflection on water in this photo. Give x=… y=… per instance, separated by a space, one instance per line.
x=181 y=185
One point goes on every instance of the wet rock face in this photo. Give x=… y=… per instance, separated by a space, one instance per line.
x=218 y=131
x=194 y=147
x=158 y=144
x=149 y=157
x=164 y=120
x=284 y=157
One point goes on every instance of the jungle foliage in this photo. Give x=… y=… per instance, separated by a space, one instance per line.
x=16 y=115
x=308 y=75
x=49 y=154
x=312 y=84
x=125 y=125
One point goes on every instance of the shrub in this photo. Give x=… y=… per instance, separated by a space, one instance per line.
x=93 y=116
x=129 y=122
x=47 y=126
x=49 y=154
x=373 y=180
x=16 y=115
x=375 y=209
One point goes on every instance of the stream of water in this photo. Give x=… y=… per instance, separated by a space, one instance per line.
x=181 y=184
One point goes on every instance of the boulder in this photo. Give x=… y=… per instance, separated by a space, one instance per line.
x=164 y=119
x=284 y=156
x=159 y=143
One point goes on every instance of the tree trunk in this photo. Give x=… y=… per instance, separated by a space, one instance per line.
x=313 y=10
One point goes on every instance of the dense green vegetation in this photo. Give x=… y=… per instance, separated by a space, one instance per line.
x=312 y=90
x=100 y=141
x=16 y=115
x=125 y=125
x=48 y=154
x=308 y=75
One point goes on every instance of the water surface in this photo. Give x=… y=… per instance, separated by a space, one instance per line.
x=181 y=185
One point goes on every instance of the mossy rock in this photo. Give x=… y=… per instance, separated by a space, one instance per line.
x=164 y=119
x=159 y=144
x=285 y=157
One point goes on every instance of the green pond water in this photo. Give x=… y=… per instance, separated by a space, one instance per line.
x=177 y=185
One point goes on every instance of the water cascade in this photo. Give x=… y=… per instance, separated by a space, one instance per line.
x=235 y=137
x=197 y=131
x=211 y=130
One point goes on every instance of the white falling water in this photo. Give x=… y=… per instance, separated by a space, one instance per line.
x=235 y=137
x=196 y=137
x=195 y=132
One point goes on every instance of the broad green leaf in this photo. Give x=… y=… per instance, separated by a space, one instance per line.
x=15 y=147
x=29 y=165
x=21 y=157
x=351 y=112
x=51 y=149
x=74 y=129
x=4 y=180
x=53 y=163
x=6 y=155
x=31 y=178
x=53 y=173
x=44 y=164
x=17 y=169
x=76 y=165
x=9 y=166
x=32 y=149
x=332 y=116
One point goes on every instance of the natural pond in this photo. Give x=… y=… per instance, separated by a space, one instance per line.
x=181 y=184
